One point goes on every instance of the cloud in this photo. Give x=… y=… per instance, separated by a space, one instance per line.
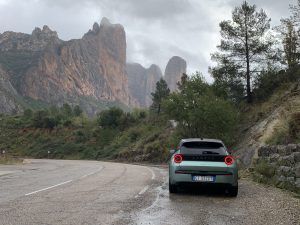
x=156 y=29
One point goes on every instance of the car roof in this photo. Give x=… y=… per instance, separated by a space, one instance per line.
x=200 y=140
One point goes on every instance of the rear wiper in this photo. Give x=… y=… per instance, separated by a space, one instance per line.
x=210 y=152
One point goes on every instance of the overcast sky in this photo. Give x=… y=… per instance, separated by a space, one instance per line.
x=156 y=29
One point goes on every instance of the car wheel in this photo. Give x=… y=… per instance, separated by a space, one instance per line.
x=172 y=188
x=233 y=191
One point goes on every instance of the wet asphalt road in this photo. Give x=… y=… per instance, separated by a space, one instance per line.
x=90 y=193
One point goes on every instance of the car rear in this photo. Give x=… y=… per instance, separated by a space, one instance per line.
x=203 y=163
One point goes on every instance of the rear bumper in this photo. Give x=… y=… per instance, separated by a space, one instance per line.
x=224 y=175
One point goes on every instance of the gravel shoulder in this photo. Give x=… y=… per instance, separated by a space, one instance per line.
x=256 y=204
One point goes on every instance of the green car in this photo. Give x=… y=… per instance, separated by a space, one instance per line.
x=203 y=162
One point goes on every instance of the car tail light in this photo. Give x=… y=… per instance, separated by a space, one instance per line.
x=229 y=160
x=178 y=158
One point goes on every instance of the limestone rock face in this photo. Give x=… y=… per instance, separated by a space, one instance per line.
x=93 y=66
x=37 y=41
x=137 y=82
x=8 y=95
x=174 y=70
x=153 y=75
x=56 y=71
x=142 y=82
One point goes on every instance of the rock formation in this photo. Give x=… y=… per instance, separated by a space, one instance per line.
x=142 y=82
x=90 y=71
x=174 y=70
x=8 y=95
x=47 y=69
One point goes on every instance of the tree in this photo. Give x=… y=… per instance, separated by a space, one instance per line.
x=67 y=110
x=182 y=82
x=289 y=34
x=110 y=118
x=290 y=43
x=200 y=113
x=244 y=42
x=77 y=111
x=295 y=9
x=162 y=91
x=41 y=119
x=228 y=82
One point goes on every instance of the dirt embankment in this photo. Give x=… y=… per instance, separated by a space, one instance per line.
x=264 y=122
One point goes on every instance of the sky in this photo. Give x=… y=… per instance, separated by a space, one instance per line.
x=156 y=30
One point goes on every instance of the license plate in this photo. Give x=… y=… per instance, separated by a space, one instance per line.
x=203 y=178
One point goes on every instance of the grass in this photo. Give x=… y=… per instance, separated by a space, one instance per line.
x=259 y=110
x=280 y=114
x=9 y=160
x=287 y=129
x=146 y=140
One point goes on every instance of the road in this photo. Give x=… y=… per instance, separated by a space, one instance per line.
x=63 y=192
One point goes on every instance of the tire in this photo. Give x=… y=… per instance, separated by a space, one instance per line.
x=172 y=188
x=233 y=191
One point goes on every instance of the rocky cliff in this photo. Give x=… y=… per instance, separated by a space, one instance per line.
x=90 y=71
x=142 y=82
x=8 y=95
x=174 y=70
x=47 y=69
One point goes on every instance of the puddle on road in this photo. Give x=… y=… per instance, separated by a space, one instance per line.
x=189 y=208
x=162 y=211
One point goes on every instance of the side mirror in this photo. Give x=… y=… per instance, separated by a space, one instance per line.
x=172 y=151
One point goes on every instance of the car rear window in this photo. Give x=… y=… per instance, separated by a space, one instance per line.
x=203 y=148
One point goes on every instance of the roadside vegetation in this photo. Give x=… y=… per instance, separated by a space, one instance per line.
x=9 y=160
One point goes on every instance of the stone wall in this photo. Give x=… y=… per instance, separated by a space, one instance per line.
x=285 y=160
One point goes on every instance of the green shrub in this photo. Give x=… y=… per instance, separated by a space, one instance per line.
x=77 y=111
x=265 y=169
x=28 y=113
x=110 y=118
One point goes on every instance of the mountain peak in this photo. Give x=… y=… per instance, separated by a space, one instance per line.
x=96 y=27
x=45 y=32
x=174 y=70
x=105 y=21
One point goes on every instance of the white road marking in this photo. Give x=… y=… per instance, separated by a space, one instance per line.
x=44 y=189
x=159 y=190
x=153 y=174
x=142 y=191
x=90 y=174
x=69 y=181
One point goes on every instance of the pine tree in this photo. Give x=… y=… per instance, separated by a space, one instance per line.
x=289 y=34
x=244 y=42
x=162 y=91
x=290 y=43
